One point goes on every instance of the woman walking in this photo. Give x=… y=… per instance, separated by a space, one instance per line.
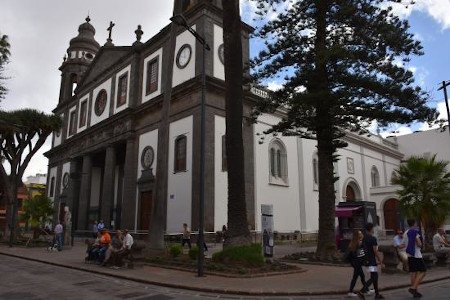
x=356 y=255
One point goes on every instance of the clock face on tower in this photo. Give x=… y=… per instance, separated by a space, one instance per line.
x=220 y=52
x=184 y=56
x=100 y=103
x=147 y=157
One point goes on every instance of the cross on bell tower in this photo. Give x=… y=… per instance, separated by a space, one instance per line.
x=109 y=29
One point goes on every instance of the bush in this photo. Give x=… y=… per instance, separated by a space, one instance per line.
x=175 y=250
x=193 y=252
x=250 y=256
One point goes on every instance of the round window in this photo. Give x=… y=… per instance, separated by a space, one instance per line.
x=100 y=102
x=147 y=157
x=66 y=180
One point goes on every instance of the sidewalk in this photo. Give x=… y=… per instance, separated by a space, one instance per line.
x=317 y=280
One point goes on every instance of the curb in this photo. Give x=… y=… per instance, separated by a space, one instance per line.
x=211 y=290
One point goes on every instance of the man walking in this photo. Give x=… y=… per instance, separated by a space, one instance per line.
x=95 y=230
x=417 y=268
x=59 y=231
x=371 y=247
x=186 y=239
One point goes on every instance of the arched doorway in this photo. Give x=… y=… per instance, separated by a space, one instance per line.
x=392 y=217
x=350 y=194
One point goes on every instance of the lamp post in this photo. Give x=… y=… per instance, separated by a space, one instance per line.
x=181 y=21
x=444 y=87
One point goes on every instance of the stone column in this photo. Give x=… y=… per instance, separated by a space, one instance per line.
x=85 y=193
x=128 y=205
x=108 y=186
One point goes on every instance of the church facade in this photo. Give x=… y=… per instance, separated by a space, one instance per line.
x=102 y=164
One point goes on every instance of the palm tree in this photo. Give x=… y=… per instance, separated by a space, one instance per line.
x=425 y=193
x=4 y=58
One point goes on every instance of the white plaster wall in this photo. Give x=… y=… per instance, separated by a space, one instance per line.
x=96 y=183
x=285 y=199
x=179 y=203
x=52 y=174
x=147 y=139
x=65 y=169
x=309 y=196
x=218 y=67
x=57 y=139
x=85 y=98
x=182 y=75
x=72 y=109
x=159 y=54
x=124 y=106
x=426 y=142
x=220 y=177
x=94 y=118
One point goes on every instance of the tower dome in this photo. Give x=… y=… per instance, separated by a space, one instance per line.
x=84 y=46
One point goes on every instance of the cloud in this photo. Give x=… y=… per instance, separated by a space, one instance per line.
x=274 y=86
x=439 y=10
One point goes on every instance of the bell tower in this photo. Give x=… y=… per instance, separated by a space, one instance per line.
x=81 y=52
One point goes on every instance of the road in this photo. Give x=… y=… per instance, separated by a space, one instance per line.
x=27 y=280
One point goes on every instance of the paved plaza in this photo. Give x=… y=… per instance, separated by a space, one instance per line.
x=28 y=280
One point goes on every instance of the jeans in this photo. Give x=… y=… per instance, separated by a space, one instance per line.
x=186 y=241
x=60 y=240
x=357 y=272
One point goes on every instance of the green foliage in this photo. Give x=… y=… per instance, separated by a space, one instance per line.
x=250 y=255
x=37 y=211
x=175 y=250
x=4 y=58
x=425 y=193
x=193 y=252
x=342 y=65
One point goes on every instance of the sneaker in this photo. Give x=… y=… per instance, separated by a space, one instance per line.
x=368 y=292
x=417 y=295
x=412 y=291
x=378 y=296
x=352 y=294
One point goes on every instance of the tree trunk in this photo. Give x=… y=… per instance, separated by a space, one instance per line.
x=326 y=245
x=10 y=190
x=238 y=232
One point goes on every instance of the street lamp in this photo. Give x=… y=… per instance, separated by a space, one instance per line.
x=444 y=87
x=181 y=21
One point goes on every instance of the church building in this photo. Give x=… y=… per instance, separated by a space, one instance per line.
x=102 y=164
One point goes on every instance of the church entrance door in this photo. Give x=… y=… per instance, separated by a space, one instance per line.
x=392 y=217
x=146 y=210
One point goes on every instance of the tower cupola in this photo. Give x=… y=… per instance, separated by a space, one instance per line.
x=84 y=46
x=80 y=54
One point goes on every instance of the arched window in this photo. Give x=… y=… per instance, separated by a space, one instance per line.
x=393 y=176
x=375 y=176
x=278 y=162
x=315 y=167
x=180 y=154
x=52 y=186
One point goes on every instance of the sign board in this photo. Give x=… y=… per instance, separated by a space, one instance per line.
x=267 y=229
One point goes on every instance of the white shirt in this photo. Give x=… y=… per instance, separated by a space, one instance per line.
x=417 y=252
x=398 y=241
x=128 y=241
x=58 y=229
x=438 y=242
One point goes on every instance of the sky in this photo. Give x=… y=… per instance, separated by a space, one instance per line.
x=40 y=32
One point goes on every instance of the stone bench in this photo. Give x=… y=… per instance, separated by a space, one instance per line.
x=441 y=258
x=136 y=254
x=390 y=258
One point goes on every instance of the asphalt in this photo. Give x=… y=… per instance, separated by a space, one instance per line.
x=316 y=280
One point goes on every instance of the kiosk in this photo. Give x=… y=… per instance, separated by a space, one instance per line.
x=353 y=216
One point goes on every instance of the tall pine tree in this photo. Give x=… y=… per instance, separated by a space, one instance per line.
x=343 y=63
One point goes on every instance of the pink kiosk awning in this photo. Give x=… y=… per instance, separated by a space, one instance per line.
x=346 y=212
